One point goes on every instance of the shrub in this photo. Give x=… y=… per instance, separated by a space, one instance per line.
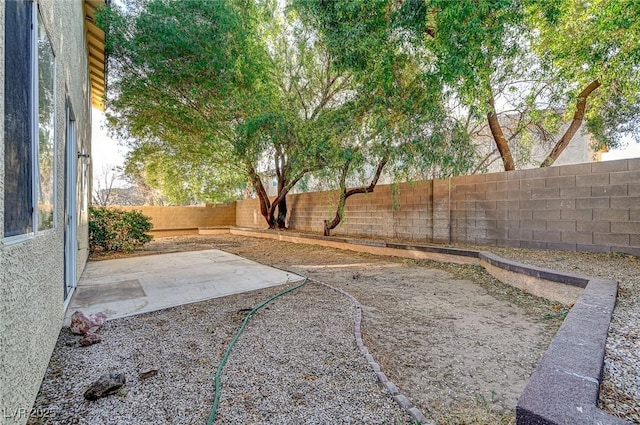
x=112 y=229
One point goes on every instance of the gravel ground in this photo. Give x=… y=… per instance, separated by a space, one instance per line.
x=296 y=363
x=442 y=333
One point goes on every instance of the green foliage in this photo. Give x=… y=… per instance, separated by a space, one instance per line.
x=112 y=229
x=183 y=180
x=181 y=75
x=533 y=58
x=595 y=40
x=212 y=95
x=401 y=102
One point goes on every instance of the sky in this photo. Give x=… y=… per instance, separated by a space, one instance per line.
x=107 y=153
x=632 y=150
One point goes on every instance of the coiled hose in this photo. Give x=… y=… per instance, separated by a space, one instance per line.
x=218 y=387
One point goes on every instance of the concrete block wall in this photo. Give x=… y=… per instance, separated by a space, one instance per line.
x=400 y=211
x=584 y=207
x=170 y=218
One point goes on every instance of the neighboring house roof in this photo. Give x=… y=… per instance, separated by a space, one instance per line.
x=95 y=48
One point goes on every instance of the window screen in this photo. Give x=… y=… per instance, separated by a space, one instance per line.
x=18 y=201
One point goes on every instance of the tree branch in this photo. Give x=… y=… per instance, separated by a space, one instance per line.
x=576 y=122
x=328 y=226
x=498 y=137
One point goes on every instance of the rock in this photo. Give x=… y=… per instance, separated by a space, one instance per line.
x=148 y=374
x=82 y=325
x=105 y=385
x=90 y=339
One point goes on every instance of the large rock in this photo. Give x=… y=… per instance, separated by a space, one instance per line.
x=105 y=385
x=82 y=325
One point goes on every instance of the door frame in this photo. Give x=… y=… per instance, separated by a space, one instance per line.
x=70 y=207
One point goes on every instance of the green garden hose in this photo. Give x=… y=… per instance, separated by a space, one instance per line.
x=216 y=399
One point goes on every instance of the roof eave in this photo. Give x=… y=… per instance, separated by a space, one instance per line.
x=96 y=54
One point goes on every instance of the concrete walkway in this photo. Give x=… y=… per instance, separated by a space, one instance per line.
x=130 y=286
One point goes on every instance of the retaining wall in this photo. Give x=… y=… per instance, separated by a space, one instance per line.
x=584 y=207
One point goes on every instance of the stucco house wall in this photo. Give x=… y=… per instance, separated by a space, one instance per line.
x=32 y=269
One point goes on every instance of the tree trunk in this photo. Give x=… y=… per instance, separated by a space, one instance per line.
x=266 y=209
x=282 y=213
x=281 y=202
x=263 y=199
x=328 y=226
x=578 y=117
x=501 y=142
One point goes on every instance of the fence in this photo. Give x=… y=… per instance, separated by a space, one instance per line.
x=169 y=221
x=585 y=207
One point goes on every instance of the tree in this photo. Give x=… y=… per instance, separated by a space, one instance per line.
x=229 y=88
x=178 y=81
x=164 y=175
x=541 y=63
x=398 y=105
x=300 y=131
x=595 y=46
x=103 y=189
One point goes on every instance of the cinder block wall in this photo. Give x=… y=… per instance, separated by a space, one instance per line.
x=585 y=207
x=401 y=211
x=169 y=218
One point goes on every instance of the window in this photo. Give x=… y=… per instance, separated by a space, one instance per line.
x=46 y=130
x=18 y=106
x=29 y=122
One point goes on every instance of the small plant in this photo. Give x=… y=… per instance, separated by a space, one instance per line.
x=112 y=229
x=559 y=312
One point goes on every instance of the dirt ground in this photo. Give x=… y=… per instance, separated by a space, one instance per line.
x=460 y=344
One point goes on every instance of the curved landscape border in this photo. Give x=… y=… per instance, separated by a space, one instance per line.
x=564 y=387
x=398 y=397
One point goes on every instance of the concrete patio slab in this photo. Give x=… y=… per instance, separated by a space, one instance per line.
x=130 y=286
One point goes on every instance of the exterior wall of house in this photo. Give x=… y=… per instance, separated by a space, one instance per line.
x=584 y=207
x=578 y=151
x=32 y=270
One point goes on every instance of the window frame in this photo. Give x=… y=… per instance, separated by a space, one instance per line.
x=21 y=177
x=36 y=21
x=54 y=148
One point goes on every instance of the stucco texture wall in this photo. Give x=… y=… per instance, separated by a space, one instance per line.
x=31 y=286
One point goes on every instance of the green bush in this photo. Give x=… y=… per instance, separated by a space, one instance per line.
x=112 y=229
